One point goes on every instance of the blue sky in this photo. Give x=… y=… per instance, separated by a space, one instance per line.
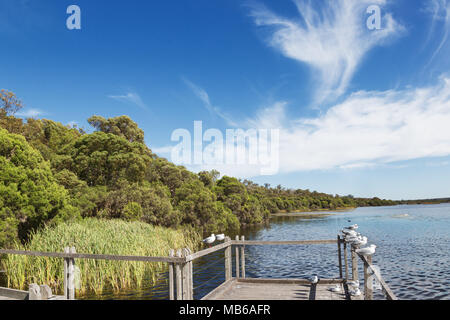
x=362 y=112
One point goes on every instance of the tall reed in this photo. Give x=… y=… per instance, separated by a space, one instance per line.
x=94 y=236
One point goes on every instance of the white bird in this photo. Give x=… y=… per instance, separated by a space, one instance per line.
x=314 y=280
x=220 y=237
x=360 y=242
x=352 y=227
x=336 y=289
x=210 y=239
x=349 y=232
x=351 y=238
x=367 y=251
x=356 y=292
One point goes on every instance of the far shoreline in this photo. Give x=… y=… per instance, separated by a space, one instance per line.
x=312 y=213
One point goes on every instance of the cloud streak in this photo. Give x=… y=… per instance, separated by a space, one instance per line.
x=332 y=41
x=440 y=10
x=30 y=113
x=204 y=97
x=130 y=97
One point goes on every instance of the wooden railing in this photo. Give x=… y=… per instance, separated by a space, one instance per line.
x=69 y=255
x=180 y=273
x=181 y=286
x=369 y=272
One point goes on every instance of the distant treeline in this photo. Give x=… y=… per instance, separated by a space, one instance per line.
x=50 y=172
x=425 y=201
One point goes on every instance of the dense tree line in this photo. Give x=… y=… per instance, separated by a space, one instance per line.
x=50 y=172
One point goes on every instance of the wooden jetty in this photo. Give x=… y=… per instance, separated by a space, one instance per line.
x=237 y=286
x=277 y=289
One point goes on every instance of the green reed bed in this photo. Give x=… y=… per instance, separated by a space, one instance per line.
x=93 y=236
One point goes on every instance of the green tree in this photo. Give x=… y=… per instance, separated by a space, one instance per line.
x=121 y=126
x=9 y=103
x=105 y=159
x=29 y=194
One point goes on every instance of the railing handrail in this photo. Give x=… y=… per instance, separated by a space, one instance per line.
x=225 y=245
x=188 y=258
x=271 y=243
x=93 y=256
x=388 y=292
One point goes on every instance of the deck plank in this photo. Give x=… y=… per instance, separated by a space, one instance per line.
x=238 y=290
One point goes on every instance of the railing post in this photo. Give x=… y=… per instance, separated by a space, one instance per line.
x=191 y=277
x=178 y=271
x=171 y=278
x=187 y=277
x=228 y=266
x=72 y=275
x=242 y=258
x=34 y=292
x=237 y=259
x=354 y=263
x=345 y=260
x=339 y=256
x=368 y=285
x=69 y=268
x=66 y=274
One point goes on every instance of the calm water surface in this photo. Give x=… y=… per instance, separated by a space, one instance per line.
x=413 y=252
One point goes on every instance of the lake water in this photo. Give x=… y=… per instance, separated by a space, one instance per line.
x=413 y=252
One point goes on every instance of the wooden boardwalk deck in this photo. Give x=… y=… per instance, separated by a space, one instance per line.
x=278 y=289
x=11 y=294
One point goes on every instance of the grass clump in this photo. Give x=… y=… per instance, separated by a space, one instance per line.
x=95 y=236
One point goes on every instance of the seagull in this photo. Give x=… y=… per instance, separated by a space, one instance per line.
x=336 y=289
x=220 y=237
x=352 y=238
x=352 y=227
x=349 y=232
x=356 y=292
x=314 y=280
x=210 y=239
x=359 y=242
x=367 y=251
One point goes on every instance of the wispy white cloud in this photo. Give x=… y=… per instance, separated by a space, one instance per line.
x=30 y=113
x=130 y=97
x=332 y=41
x=163 y=150
x=204 y=97
x=369 y=128
x=440 y=16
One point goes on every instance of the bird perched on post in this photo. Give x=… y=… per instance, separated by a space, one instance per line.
x=314 y=279
x=367 y=251
x=210 y=240
x=349 y=232
x=220 y=237
x=355 y=292
x=362 y=241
